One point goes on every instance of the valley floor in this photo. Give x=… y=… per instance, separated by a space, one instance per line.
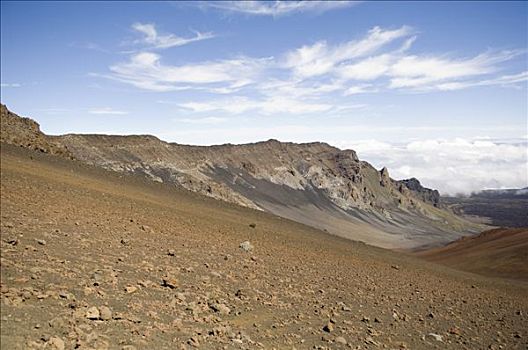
x=96 y=260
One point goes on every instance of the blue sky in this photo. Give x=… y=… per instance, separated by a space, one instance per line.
x=433 y=90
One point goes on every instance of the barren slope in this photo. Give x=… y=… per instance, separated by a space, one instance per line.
x=312 y=183
x=500 y=252
x=94 y=260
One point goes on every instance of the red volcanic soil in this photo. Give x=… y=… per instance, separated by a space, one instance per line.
x=501 y=252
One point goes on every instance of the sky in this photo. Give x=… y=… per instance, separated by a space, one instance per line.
x=432 y=90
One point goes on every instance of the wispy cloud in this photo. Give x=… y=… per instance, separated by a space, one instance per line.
x=276 y=8
x=154 y=40
x=504 y=80
x=10 y=85
x=322 y=58
x=107 y=111
x=145 y=70
x=313 y=78
x=266 y=106
x=417 y=72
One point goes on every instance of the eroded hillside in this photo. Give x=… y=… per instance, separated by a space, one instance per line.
x=312 y=183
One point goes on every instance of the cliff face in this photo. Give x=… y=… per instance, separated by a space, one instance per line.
x=313 y=183
x=340 y=175
x=25 y=132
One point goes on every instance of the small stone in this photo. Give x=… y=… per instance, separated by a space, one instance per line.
x=252 y=225
x=105 y=313
x=395 y=267
x=193 y=342
x=170 y=282
x=130 y=289
x=41 y=241
x=128 y=347
x=246 y=246
x=434 y=336
x=329 y=327
x=93 y=313
x=65 y=295
x=220 y=308
x=341 y=340
x=56 y=343
x=171 y=252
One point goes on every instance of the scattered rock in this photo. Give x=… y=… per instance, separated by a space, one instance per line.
x=246 y=246
x=41 y=241
x=193 y=342
x=220 y=308
x=93 y=313
x=105 y=313
x=329 y=327
x=252 y=225
x=434 y=336
x=341 y=340
x=171 y=252
x=56 y=343
x=170 y=282
x=13 y=241
x=130 y=289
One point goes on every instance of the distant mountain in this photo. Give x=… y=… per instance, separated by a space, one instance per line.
x=501 y=207
x=313 y=183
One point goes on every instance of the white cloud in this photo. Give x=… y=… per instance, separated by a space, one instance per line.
x=10 y=85
x=368 y=69
x=277 y=8
x=452 y=166
x=107 y=111
x=426 y=72
x=145 y=70
x=505 y=80
x=320 y=58
x=297 y=88
x=153 y=39
x=359 y=89
x=267 y=106
x=312 y=78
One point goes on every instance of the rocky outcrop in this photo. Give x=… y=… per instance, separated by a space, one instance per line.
x=425 y=194
x=25 y=132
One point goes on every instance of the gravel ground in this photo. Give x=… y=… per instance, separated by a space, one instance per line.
x=97 y=260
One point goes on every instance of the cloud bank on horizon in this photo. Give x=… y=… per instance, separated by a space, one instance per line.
x=425 y=99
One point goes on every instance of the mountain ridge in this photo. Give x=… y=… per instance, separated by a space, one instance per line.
x=313 y=183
